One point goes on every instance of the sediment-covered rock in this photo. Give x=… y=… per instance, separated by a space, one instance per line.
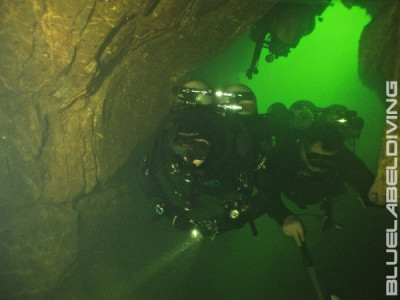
x=82 y=84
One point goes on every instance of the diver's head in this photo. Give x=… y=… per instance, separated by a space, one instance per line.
x=190 y=148
x=289 y=25
x=320 y=147
x=278 y=110
x=336 y=113
x=302 y=114
x=238 y=98
x=292 y=23
x=197 y=142
x=346 y=120
x=277 y=48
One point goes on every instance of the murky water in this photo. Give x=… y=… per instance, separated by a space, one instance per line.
x=134 y=256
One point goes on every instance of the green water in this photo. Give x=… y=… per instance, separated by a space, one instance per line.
x=323 y=68
x=131 y=257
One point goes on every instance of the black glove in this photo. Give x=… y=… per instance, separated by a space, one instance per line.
x=208 y=227
x=216 y=226
x=178 y=216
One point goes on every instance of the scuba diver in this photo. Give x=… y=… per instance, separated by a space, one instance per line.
x=289 y=124
x=202 y=149
x=282 y=28
x=312 y=170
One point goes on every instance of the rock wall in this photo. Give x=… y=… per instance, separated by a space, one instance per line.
x=379 y=61
x=82 y=84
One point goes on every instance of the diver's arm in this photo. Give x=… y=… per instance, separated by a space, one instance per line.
x=150 y=185
x=357 y=174
x=270 y=192
x=147 y=177
x=162 y=205
x=277 y=210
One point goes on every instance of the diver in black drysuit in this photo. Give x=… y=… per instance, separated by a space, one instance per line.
x=200 y=151
x=312 y=170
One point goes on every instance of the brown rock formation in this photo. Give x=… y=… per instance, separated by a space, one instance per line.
x=379 y=61
x=82 y=83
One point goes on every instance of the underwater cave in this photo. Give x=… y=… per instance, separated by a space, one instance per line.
x=83 y=85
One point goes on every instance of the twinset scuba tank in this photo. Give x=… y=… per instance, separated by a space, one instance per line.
x=302 y=113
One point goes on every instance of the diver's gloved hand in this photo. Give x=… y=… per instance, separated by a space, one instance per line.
x=208 y=227
x=180 y=218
